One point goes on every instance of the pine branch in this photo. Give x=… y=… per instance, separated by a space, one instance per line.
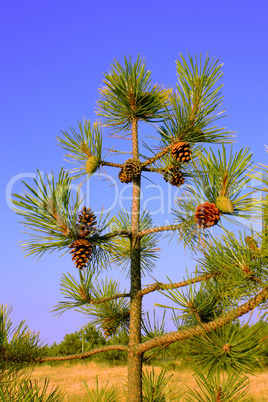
x=148 y=248
x=104 y=163
x=78 y=355
x=84 y=147
x=163 y=286
x=220 y=175
x=118 y=296
x=159 y=229
x=159 y=155
x=125 y=233
x=128 y=94
x=188 y=333
x=153 y=170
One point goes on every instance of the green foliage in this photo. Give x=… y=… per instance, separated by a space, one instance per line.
x=129 y=94
x=151 y=331
x=111 y=315
x=237 y=263
x=28 y=391
x=102 y=393
x=18 y=347
x=192 y=110
x=156 y=387
x=148 y=249
x=77 y=292
x=188 y=232
x=262 y=202
x=85 y=339
x=232 y=348
x=197 y=305
x=46 y=209
x=82 y=145
x=216 y=174
x=70 y=344
x=213 y=174
x=95 y=299
x=229 y=388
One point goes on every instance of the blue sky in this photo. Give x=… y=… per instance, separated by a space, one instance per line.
x=53 y=56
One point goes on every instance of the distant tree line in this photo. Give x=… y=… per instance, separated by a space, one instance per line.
x=89 y=337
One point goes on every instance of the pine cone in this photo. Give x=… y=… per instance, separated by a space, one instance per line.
x=87 y=222
x=206 y=215
x=173 y=176
x=251 y=242
x=224 y=204
x=82 y=251
x=124 y=178
x=181 y=152
x=81 y=248
x=92 y=164
x=131 y=168
x=110 y=327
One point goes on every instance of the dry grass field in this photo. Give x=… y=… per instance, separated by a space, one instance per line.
x=71 y=377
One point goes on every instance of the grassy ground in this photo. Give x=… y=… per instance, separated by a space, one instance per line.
x=70 y=377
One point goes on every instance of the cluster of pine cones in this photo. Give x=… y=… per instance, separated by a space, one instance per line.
x=81 y=248
x=182 y=153
x=207 y=214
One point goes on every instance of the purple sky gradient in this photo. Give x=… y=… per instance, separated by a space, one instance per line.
x=53 y=56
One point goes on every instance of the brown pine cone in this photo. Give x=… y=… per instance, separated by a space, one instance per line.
x=87 y=222
x=82 y=250
x=181 y=152
x=131 y=168
x=174 y=176
x=206 y=215
x=124 y=178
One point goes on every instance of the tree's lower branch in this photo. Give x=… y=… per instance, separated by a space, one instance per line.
x=80 y=355
x=198 y=330
x=164 y=286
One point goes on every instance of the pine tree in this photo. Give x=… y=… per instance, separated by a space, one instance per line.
x=230 y=279
x=18 y=347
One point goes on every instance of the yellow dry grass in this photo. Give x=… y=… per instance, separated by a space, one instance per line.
x=71 y=377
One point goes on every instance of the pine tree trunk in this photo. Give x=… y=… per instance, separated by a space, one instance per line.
x=135 y=360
